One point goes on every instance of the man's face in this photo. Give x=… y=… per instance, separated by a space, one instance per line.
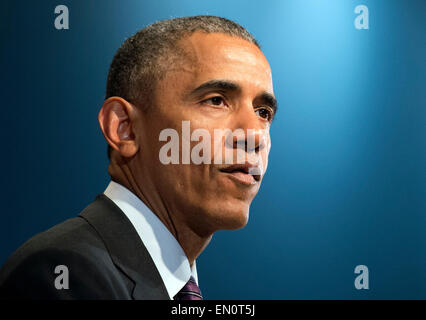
x=224 y=82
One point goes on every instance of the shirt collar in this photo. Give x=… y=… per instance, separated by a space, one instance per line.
x=165 y=251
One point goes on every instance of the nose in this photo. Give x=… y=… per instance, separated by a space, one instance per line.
x=250 y=132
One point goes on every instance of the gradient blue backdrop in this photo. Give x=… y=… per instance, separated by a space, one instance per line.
x=347 y=178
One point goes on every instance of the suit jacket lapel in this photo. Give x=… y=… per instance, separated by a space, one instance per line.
x=125 y=247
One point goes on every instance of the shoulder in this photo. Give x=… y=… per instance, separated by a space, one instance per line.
x=72 y=235
x=72 y=246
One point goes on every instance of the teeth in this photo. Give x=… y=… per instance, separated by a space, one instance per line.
x=255 y=171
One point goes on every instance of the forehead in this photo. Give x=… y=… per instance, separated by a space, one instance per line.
x=219 y=56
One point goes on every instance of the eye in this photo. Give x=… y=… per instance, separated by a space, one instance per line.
x=215 y=101
x=264 y=113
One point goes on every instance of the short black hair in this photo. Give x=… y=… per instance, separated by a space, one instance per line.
x=143 y=58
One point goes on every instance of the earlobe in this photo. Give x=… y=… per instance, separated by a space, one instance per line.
x=115 y=120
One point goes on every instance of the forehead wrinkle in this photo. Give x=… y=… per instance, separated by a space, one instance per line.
x=240 y=62
x=188 y=60
x=176 y=64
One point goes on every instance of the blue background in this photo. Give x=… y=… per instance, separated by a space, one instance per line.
x=346 y=184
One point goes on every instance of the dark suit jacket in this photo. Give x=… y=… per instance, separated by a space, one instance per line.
x=105 y=257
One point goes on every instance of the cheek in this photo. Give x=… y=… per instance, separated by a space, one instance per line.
x=265 y=154
x=217 y=148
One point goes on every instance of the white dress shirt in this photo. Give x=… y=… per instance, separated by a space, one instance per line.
x=165 y=251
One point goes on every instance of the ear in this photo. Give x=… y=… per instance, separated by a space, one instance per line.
x=116 y=119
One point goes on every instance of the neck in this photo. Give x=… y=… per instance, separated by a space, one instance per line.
x=191 y=242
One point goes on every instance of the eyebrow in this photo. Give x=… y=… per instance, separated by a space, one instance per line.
x=217 y=85
x=226 y=85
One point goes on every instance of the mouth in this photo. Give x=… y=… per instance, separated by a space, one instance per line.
x=243 y=173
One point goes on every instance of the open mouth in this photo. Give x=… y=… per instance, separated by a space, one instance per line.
x=246 y=173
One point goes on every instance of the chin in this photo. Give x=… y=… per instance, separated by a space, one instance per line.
x=220 y=215
x=233 y=218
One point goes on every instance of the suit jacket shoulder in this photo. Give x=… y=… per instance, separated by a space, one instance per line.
x=99 y=252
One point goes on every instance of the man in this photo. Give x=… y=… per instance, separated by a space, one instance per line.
x=140 y=239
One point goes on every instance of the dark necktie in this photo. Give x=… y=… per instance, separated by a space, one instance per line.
x=189 y=292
